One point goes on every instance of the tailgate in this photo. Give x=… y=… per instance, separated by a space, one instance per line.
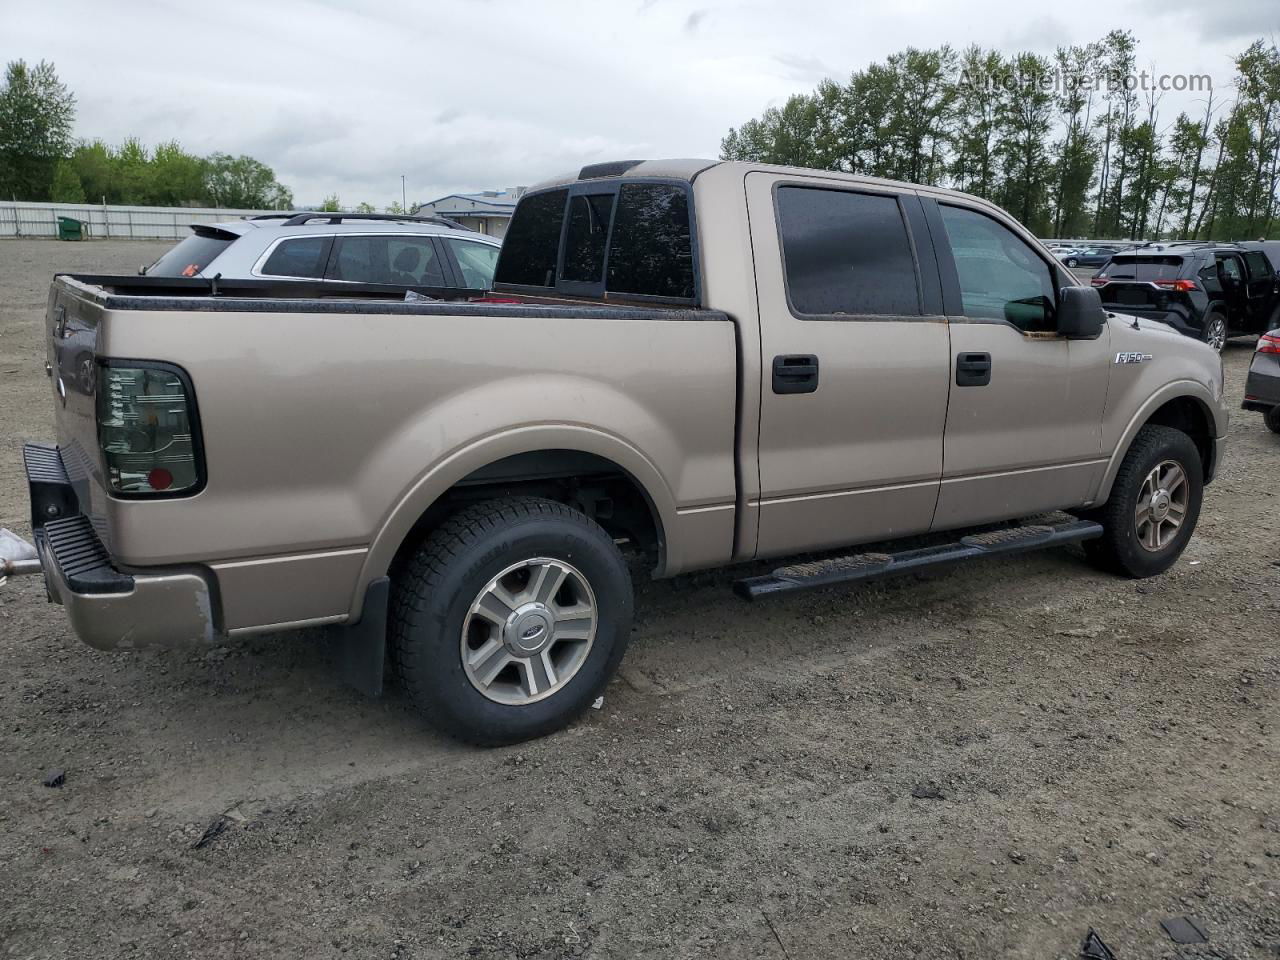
x=72 y=322
x=1119 y=294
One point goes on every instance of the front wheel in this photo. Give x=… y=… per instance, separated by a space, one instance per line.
x=1072 y=262
x=510 y=620
x=1154 y=505
x=1272 y=419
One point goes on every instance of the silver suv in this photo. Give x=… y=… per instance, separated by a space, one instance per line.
x=342 y=247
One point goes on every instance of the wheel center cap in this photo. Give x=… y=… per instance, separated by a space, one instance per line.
x=1160 y=505
x=528 y=630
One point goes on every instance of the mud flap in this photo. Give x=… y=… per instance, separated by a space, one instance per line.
x=363 y=645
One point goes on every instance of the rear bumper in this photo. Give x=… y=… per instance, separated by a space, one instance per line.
x=1262 y=388
x=110 y=608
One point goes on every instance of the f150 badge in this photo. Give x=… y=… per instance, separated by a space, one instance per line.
x=1132 y=357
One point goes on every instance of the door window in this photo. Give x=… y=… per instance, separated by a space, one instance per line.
x=386 y=258
x=1230 y=268
x=1001 y=278
x=1259 y=266
x=476 y=261
x=301 y=257
x=846 y=253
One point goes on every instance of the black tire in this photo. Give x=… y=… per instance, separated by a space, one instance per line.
x=1118 y=549
x=1215 y=322
x=1272 y=419
x=432 y=601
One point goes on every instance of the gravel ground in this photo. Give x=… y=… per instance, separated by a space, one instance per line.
x=981 y=764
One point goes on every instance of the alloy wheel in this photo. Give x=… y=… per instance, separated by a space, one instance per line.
x=1162 y=505
x=528 y=632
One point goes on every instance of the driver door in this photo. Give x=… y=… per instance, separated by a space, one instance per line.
x=1024 y=420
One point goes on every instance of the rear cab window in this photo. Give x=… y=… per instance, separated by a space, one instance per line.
x=630 y=240
x=192 y=255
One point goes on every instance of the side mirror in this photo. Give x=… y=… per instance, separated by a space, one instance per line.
x=1080 y=313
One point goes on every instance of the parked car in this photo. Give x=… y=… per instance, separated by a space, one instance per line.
x=1262 y=387
x=712 y=363
x=1210 y=291
x=342 y=247
x=1088 y=256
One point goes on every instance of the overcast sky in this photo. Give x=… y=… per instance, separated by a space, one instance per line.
x=344 y=97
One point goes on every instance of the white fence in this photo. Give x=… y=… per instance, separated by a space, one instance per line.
x=107 y=222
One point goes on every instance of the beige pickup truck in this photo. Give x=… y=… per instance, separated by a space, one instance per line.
x=703 y=363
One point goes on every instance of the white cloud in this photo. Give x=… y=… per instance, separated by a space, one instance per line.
x=345 y=97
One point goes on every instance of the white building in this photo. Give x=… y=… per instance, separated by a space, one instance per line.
x=488 y=212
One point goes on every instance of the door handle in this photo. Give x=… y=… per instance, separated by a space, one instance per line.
x=795 y=373
x=973 y=369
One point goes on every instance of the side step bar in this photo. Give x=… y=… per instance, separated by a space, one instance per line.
x=872 y=566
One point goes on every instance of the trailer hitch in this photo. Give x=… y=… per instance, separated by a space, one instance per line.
x=17 y=557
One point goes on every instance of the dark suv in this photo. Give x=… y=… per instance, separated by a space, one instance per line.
x=1206 y=290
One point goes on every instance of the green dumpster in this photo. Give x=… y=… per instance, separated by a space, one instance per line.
x=70 y=229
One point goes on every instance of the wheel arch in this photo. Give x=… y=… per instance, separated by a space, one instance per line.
x=1178 y=406
x=575 y=465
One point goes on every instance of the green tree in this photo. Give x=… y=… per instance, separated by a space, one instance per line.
x=1258 y=86
x=365 y=207
x=1117 y=57
x=66 y=185
x=331 y=204
x=244 y=183
x=1076 y=151
x=175 y=177
x=975 y=123
x=131 y=172
x=36 y=116
x=924 y=90
x=93 y=164
x=1026 y=115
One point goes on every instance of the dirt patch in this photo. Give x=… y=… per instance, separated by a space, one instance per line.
x=981 y=764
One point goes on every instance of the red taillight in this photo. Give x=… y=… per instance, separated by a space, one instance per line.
x=494 y=300
x=160 y=479
x=1181 y=286
x=1099 y=281
x=1269 y=343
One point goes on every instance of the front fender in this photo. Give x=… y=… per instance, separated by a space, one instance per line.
x=1213 y=407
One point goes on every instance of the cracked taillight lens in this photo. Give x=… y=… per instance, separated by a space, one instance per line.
x=147 y=430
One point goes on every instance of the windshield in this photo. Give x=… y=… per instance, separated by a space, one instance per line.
x=192 y=255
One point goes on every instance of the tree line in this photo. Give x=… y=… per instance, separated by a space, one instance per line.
x=1073 y=144
x=40 y=160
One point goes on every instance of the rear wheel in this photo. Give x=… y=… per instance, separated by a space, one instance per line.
x=1154 y=505
x=1214 y=331
x=510 y=620
x=1072 y=262
x=1272 y=419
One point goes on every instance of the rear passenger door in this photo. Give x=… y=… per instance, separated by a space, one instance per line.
x=402 y=259
x=855 y=352
x=1024 y=422
x=1260 y=287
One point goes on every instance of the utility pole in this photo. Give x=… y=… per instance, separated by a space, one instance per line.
x=404 y=202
